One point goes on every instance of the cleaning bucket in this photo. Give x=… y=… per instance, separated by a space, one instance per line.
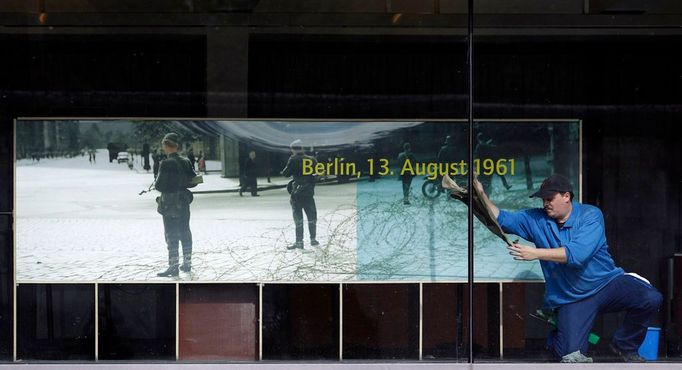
x=649 y=348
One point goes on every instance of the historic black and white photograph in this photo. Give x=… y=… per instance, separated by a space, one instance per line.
x=200 y=200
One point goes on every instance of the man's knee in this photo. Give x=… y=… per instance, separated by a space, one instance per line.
x=653 y=299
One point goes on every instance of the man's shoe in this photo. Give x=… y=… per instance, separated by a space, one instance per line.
x=186 y=267
x=297 y=245
x=575 y=358
x=314 y=242
x=626 y=357
x=241 y=193
x=171 y=271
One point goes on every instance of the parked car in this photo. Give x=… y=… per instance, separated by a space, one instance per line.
x=123 y=157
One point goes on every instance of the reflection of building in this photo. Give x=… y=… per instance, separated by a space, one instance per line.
x=229 y=156
x=233 y=152
x=208 y=145
x=53 y=137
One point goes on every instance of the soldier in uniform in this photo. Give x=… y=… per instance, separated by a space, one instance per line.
x=406 y=177
x=487 y=150
x=302 y=190
x=174 y=177
x=157 y=157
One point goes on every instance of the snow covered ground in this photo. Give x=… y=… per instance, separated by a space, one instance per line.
x=427 y=240
x=78 y=221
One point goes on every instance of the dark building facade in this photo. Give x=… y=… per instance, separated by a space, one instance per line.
x=613 y=65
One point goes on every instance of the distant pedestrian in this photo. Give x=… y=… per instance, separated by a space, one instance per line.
x=190 y=156
x=250 y=172
x=145 y=157
x=202 y=164
x=406 y=176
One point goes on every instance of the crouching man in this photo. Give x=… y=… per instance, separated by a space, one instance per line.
x=581 y=278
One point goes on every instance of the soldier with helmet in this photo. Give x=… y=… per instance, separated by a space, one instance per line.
x=175 y=175
x=302 y=190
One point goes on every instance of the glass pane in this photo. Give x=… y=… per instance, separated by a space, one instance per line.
x=486 y=321
x=371 y=59
x=56 y=322
x=137 y=322
x=524 y=335
x=511 y=159
x=218 y=322
x=444 y=322
x=301 y=322
x=6 y=283
x=381 y=321
x=620 y=84
x=6 y=167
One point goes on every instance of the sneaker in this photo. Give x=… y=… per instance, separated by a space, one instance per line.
x=297 y=245
x=627 y=357
x=314 y=242
x=576 y=357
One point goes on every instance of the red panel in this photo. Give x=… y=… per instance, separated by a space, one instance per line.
x=514 y=312
x=441 y=332
x=481 y=317
x=218 y=322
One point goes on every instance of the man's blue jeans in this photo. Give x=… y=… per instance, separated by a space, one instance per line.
x=624 y=293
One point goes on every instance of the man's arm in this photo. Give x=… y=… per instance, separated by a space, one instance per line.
x=485 y=199
x=286 y=171
x=528 y=253
x=162 y=183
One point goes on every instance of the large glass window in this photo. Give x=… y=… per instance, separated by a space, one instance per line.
x=619 y=85
x=587 y=89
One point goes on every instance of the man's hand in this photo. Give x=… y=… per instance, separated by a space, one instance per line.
x=522 y=252
x=527 y=253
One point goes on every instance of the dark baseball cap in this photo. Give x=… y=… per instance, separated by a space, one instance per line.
x=552 y=185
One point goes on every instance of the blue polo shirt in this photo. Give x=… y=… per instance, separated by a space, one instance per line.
x=589 y=267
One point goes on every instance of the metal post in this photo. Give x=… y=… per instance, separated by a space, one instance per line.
x=470 y=213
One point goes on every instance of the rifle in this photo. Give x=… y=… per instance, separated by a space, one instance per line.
x=151 y=187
